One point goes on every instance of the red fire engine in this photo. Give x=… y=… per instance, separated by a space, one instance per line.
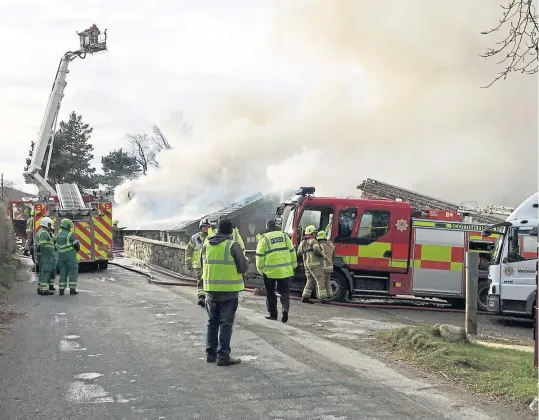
x=383 y=249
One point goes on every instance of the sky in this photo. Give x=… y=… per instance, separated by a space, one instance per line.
x=280 y=94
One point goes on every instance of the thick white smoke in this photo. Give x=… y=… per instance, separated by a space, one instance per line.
x=392 y=91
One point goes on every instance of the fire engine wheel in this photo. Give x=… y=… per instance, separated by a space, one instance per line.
x=482 y=296
x=103 y=265
x=339 y=286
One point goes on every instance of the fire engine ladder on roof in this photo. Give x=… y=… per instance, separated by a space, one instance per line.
x=69 y=196
x=420 y=201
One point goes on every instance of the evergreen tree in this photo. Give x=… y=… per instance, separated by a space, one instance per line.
x=72 y=154
x=119 y=166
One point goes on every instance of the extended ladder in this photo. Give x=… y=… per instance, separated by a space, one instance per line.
x=69 y=196
x=417 y=200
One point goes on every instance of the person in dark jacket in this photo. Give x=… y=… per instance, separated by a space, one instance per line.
x=223 y=280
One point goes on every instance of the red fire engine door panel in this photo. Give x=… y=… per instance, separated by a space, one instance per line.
x=379 y=239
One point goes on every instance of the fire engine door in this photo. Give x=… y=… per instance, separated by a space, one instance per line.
x=345 y=246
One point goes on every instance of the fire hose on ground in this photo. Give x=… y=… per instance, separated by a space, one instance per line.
x=191 y=282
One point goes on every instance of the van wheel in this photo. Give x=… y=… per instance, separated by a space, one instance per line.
x=482 y=296
x=339 y=286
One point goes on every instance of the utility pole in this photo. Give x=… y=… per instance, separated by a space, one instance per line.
x=472 y=273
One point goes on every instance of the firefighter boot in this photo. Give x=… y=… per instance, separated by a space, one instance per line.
x=45 y=292
x=202 y=301
x=51 y=287
x=284 y=318
x=62 y=292
x=73 y=292
x=306 y=300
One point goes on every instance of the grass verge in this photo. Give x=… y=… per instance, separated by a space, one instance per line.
x=8 y=272
x=501 y=374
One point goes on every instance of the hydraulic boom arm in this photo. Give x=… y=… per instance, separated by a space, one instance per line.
x=90 y=42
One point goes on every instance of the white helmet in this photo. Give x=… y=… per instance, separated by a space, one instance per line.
x=47 y=222
x=204 y=222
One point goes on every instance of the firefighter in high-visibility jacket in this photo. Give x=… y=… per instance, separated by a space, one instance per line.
x=313 y=257
x=45 y=256
x=327 y=265
x=236 y=236
x=276 y=260
x=67 y=247
x=223 y=268
x=193 y=259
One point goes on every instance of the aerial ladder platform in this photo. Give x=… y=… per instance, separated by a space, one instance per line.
x=373 y=188
x=91 y=215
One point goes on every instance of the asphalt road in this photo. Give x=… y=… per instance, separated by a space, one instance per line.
x=126 y=349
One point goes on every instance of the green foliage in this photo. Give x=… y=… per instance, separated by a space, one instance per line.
x=7 y=251
x=119 y=166
x=72 y=153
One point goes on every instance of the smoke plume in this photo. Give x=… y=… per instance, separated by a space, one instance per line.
x=392 y=91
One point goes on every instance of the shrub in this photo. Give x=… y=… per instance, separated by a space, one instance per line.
x=7 y=251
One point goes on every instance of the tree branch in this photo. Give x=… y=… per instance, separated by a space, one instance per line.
x=519 y=49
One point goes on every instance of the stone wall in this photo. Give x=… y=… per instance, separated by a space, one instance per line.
x=171 y=256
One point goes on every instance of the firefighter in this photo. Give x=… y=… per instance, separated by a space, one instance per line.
x=29 y=246
x=55 y=262
x=236 y=236
x=276 y=260
x=327 y=265
x=313 y=256
x=67 y=246
x=45 y=255
x=193 y=257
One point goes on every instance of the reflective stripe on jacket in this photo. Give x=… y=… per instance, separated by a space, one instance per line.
x=275 y=255
x=312 y=252
x=194 y=249
x=44 y=240
x=65 y=241
x=30 y=225
x=329 y=251
x=219 y=268
x=237 y=237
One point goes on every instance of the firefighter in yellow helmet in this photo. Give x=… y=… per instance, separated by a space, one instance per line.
x=327 y=265
x=193 y=260
x=313 y=257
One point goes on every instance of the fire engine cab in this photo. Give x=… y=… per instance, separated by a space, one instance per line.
x=387 y=248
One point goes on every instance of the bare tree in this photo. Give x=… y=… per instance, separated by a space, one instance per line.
x=142 y=149
x=518 y=50
x=159 y=139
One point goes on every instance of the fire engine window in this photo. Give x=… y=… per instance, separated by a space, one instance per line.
x=319 y=217
x=347 y=219
x=373 y=225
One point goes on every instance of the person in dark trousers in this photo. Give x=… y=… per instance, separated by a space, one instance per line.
x=223 y=267
x=276 y=260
